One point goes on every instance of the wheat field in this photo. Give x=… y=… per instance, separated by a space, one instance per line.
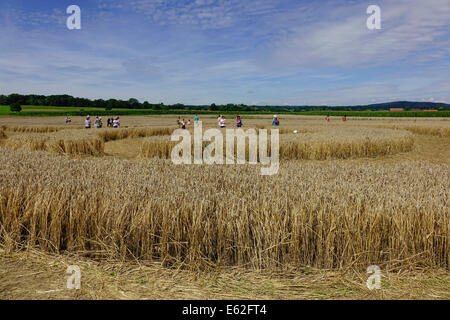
x=332 y=143
x=346 y=196
x=73 y=142
x=160 y=211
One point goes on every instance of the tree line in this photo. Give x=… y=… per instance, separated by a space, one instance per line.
x=132 y=103
x=16 y=100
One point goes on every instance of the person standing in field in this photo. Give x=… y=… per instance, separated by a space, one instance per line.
x=116 y=122
x=238 y=121
x=196 y=118
x=96 y=122
x=222 y=121
x=68 y=120
x=344 y=118
x=183 y=124
x=328 y=118
x=275 y=121
x=188 y=122
x=87 y=122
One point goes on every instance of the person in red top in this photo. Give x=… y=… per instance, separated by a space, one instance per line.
x=275 y=121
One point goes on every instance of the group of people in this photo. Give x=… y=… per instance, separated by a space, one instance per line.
x=221 y=121
x=111 y=122
x=182 y=123
x=344 y=118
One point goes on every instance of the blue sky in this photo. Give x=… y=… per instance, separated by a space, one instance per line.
x=228 y=51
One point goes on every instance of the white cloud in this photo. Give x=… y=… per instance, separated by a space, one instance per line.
x=201 y=13
x=410 y=29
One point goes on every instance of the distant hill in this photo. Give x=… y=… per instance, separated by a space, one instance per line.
x=408 y=105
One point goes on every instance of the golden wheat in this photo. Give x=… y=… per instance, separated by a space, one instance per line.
x=73 y=142
x=117 y=134
x=31 y=129
x=328 y=214
x=428 y=130
x=157 y=148
x=326 y=143
x=331 y=215
x=340 y=143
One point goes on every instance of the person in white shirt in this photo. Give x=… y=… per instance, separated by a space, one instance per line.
x=87 y=122
x=222 y=122
x=116 y=123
